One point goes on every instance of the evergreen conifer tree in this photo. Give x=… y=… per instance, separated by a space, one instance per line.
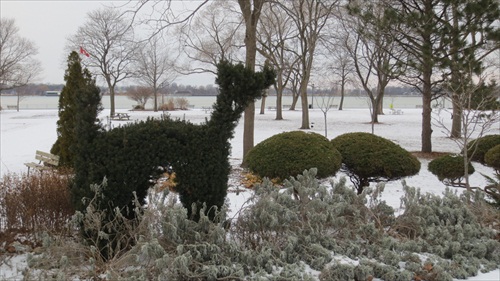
x=79 y=103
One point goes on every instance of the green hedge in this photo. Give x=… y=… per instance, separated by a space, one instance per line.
x=450 y=169
x=478 y=147
x=492 y=157
x=129 y=156
x=290 y=153
x=369 y=158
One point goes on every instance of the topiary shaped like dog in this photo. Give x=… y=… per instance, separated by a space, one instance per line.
x=128 y=157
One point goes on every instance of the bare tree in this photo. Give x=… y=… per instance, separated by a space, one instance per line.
x=372 y=51
x=276 y=36
x=18 y=67
x=107 y=39
x=160 y=15
x=324 y=101
x=342 y=69
x=155 y=66
x=337 y=59
x=309 y=17
x=23 y=92
x=293 y=86
x=215 y=33
x=139 y=94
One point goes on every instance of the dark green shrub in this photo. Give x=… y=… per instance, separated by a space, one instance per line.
x=492 y=158
x=477 y=148
x=129 y=156
x=369 y=158
x=290 y=153
x=450 y=169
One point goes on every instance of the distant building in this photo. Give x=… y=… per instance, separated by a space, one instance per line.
x=52 y=93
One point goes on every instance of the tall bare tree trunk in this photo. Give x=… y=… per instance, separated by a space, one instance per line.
x=111 y=98
x=279 y=103
x=155 y=89
x=263 y=105
x=305 y=107
x=374 y=110
x=342 y=93
x=251 y=17
x=295 y=99
x=380 y=105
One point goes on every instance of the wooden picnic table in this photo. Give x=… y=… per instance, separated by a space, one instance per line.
x=120 y=116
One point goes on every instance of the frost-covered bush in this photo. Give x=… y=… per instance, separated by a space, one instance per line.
x=290 y=153
x=450 y=169
x=338 y=271
x=369 y=158
x=306 y=221
x=283 y=234
x=447 y=227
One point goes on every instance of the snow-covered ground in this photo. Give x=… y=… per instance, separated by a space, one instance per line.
x=24 y=132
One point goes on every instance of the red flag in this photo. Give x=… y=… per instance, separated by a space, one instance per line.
x=83 y=52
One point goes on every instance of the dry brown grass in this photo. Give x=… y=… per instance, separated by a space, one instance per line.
x=428 y=155
x=169 y=105
x=33 y=204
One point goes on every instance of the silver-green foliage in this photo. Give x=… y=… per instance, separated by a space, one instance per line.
x=309 y=222
x=305 y=224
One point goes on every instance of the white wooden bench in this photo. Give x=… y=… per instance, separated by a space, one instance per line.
x=120 y=116
x=207 y=109
x=46 y=160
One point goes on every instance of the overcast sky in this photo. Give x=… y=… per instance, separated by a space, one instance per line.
x=49 y=23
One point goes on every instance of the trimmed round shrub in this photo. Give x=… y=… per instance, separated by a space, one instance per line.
x=477 y=148
x=290 y=153
x=449 y=169
x=369 y=158
x=492 y=157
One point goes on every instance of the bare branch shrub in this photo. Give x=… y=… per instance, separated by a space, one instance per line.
x=169 y=105
x=181 y=103
x=36 y=203
x=141 y=95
